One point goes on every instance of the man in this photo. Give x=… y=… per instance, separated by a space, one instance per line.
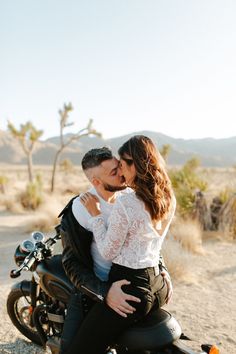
x=82 y=262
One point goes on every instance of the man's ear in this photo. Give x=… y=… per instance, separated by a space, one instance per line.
x=95 y=181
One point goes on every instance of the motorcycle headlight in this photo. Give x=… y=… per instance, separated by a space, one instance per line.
x=37 y=236
x=22 y=251
x=27 y=246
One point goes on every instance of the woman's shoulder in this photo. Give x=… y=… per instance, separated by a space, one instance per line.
x=128 y=198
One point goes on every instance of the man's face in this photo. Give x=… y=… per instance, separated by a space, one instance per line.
x=109 y=175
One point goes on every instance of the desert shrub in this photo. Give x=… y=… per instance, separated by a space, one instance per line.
x=185 y=200
x=32 y=197
x=165 y=151
x=66 y=166
x=186 y=182
x=225 y=195
x=11 y=204
x=3 y=182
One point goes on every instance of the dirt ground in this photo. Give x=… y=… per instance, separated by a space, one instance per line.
x=205 y=307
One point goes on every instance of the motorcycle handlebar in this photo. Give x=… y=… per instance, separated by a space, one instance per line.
x=15 y=273
x=28 y=262
x=30 y=259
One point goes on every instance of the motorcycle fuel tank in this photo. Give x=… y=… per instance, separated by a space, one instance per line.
x=53 y=279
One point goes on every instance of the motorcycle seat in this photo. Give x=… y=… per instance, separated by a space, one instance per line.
x=157 y=330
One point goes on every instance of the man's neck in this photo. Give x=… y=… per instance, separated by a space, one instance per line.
x=109 y=197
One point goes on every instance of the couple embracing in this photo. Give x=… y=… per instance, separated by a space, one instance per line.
x=112 y=238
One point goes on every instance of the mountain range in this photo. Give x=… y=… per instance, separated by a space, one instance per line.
x=211 y=152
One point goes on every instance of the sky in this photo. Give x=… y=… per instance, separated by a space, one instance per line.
x=163 y=65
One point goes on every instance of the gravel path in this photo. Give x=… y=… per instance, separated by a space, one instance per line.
x=206 y=308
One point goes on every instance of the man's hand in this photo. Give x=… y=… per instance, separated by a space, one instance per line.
x=167 y=279
x=116 y=299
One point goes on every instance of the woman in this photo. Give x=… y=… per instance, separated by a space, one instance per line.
x=137 y=227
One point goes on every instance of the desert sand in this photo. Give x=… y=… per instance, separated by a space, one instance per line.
x=204 y=304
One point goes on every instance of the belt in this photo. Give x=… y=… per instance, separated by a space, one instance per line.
x=155 y=269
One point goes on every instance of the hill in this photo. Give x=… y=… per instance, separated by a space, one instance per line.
x=211 y=152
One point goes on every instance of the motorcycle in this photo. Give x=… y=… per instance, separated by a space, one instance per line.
x=37 y=307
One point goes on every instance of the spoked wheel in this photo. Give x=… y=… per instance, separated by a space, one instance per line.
x=20 y=312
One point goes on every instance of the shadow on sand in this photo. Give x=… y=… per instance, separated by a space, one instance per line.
x=20 y=346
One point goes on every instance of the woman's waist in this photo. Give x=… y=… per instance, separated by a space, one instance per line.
x=125 y=270
x=146 y=279
x=135 y=262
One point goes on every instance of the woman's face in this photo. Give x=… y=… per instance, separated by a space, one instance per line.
x=127 y=169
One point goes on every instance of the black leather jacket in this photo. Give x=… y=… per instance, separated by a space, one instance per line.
x=76 y=256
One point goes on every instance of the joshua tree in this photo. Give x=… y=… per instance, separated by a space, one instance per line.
x=27 y=135
x=3 y=182
x=88 y=130
x=192 y=164
x=165 y=150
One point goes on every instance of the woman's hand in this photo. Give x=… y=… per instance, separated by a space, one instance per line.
x=91 y=203
x=167 y=279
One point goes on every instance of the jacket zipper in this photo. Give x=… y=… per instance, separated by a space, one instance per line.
x=100 y=297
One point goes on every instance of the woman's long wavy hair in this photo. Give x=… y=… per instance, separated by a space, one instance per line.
x=151 y=184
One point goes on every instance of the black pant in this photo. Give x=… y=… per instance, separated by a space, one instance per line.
x=102 y=325
x=73 y=321
x=77 y=309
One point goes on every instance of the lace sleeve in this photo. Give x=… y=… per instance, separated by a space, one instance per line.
x=110 y=240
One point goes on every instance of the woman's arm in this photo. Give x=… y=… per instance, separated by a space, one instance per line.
x=109 y=239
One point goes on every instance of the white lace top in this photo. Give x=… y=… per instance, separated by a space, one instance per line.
x=130 y=239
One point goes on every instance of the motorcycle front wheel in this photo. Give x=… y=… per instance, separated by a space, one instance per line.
x=19 y=310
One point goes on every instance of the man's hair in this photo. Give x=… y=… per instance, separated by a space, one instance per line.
x=95 y=157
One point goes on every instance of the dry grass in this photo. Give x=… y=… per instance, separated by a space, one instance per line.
x=72 y=184
x=46 y=216
x=188 y=233
x=183 y=240
x=11 y=204
x=177 y=260
x=215 y=236
x=42 y=222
